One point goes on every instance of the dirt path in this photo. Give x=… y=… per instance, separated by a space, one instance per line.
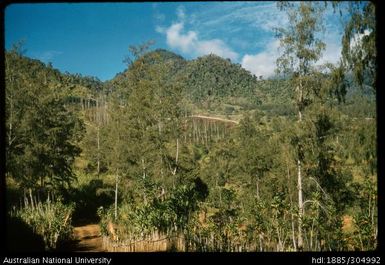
x=214 y=118
x=87 y=238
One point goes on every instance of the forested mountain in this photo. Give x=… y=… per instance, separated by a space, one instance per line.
x=212 y=77
x=164 y=56
x=204 y=80
x=211 y=83
x=198 y=151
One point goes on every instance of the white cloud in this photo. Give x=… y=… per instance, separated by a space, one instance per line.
x=160 y=29
x=242 y=16
x=331 y=54
x=190 y=42
x=244 y=25
x=262 y=63
x=217 y=47
x=356 y=40
x=176 y=39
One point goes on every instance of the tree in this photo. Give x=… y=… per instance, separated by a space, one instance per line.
x=42 y=134
x=359 y=43
x=301 y=49
x=145 y=119
x=255 y=154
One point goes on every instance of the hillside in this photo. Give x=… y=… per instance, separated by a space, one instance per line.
x=211 y=84
x=199 y=150
x=214 y=77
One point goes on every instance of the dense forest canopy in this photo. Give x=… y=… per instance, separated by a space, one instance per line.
x=202 y=148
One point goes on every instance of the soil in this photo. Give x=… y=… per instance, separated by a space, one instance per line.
x=87 y=238
x=213 y=118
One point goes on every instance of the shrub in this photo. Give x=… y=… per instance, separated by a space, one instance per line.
x=51 y=220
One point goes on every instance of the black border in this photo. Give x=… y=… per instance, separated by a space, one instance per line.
x=232 y=258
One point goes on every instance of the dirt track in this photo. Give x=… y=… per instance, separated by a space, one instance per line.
x=213 y=118
x=87 y=238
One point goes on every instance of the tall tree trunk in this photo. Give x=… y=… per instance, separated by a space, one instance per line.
x=206 y=136
x=257 y=182
x=291 y=215
x=10 y=122
x=98 y=162
x=176 y=156
x=299 y=172
x=300 y=206
x=116 y=196
x=30 y=196
x=98 y=122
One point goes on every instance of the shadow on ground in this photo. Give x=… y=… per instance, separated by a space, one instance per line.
x=21 y=237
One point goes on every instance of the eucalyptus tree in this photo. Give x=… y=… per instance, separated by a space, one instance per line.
x=302 y=48
x=359 y=60
x=359 y=50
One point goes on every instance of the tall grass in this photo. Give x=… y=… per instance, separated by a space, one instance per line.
x=50 y=219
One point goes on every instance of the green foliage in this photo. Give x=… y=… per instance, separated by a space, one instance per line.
x=321 y=176
x=51 y=220
x=211 y=77
x=255 y=159
x=359 y=43
x=89 y=194
x=42 y=134
x=301 y=46
x=170 y=213
x=202 y=147
x=366 y=215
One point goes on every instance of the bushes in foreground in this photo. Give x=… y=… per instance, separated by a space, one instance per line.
x=49 y=219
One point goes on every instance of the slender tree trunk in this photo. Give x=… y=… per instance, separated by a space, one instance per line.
x=291 y=214
x=25 y=198
x=257 y=188
x=98 y=134
x=10 y=122
x=300 y=193
x=30 y=196
x=311 y=236
x=217 y=131
x=116 y=196
x=177 y=155
x=144 y=169
x=279 y=246
x=206 y=133
x=98 y=162
x=105 y=114
x=300 y=206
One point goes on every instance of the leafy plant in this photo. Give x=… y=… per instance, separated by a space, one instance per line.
x=51 y=220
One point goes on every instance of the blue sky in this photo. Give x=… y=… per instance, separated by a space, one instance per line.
x=93 y=38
